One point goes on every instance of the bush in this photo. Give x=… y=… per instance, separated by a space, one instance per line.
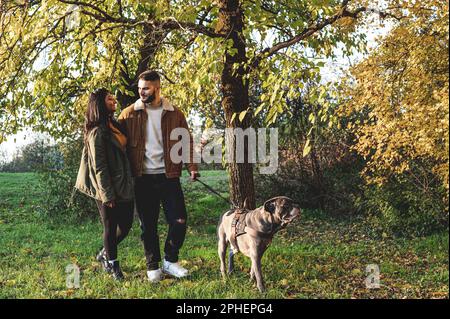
x=334 y=179
x=411 y=204
x=402 y=207
x=327 y=178
x=60 y=201
x=36 y=155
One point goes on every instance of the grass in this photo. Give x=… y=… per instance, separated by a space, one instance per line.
x=317 y=257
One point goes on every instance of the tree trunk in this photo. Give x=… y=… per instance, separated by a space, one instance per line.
x=147 y=53
x=235 y=99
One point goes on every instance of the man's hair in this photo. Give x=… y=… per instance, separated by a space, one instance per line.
x=149 y=76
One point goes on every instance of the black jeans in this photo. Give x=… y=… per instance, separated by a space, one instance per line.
x=151 y=191
x=117 y=223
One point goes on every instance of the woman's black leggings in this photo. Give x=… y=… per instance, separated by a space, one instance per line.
x=117 y=223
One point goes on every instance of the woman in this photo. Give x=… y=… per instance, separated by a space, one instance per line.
x=105 y=175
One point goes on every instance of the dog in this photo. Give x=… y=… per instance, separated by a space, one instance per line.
x=251 y=232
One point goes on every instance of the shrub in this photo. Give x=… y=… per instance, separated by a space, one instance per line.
x=410 y=204
x=60 y=201
x=36 y=155
x=327 y=179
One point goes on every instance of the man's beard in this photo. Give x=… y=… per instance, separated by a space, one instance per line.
x=149 y=99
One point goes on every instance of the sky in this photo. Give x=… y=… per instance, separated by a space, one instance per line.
x=331 y=71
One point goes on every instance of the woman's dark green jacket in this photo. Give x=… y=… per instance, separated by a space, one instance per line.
x=104 y=172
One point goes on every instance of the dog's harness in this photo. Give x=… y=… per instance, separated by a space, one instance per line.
x=239 y=227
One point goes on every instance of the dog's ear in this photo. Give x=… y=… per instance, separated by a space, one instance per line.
x=269 y=206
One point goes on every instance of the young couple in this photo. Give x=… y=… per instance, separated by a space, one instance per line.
x=127 y=161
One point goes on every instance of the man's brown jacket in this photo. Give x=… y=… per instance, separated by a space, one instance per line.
x=134 y=120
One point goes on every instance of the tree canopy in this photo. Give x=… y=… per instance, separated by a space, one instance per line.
x=54 y=51
x=401 y=93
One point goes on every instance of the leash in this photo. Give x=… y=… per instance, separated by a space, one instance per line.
x=212 y=190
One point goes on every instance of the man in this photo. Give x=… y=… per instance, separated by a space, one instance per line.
x=149 y=122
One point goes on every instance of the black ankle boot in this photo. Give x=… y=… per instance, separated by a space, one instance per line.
x=101 y=255
x=103 y=260
x=116 y=272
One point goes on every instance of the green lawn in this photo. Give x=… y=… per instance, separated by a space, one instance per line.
x=318 y=257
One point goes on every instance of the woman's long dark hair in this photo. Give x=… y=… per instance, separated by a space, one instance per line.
x=97 y=114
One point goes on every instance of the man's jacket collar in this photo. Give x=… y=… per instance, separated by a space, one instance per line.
x=166 y=105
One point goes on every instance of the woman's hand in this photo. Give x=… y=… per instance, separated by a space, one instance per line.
x=110 y=204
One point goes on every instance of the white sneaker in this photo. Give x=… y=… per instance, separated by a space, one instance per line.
x=174 y=269
x=154 y=275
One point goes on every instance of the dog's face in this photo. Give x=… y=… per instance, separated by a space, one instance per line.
x=283 y=208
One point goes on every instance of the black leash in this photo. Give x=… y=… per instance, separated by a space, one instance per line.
x=217 y=193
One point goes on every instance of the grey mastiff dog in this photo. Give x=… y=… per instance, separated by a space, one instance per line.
x=251 y=232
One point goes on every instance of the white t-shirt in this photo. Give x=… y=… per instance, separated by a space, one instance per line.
x=154 y=147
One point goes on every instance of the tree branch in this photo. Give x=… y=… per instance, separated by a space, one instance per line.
x=173 y=24
x=267 y=52
x=101 y=15
x=168 y=24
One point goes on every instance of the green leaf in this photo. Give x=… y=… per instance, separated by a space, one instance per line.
x=259 y=108
x=306 y=148
x=242 y=115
